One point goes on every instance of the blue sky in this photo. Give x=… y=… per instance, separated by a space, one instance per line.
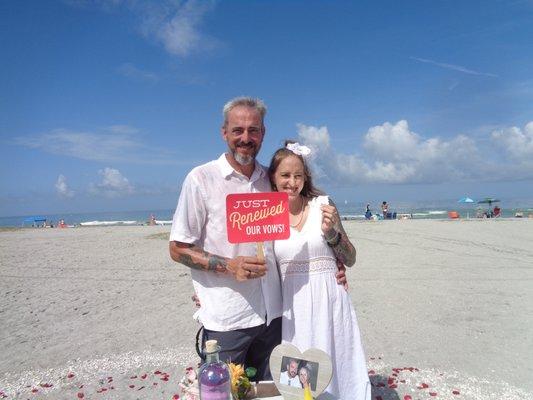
x=106 y=105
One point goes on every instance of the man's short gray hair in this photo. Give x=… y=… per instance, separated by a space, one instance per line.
x=250 y=102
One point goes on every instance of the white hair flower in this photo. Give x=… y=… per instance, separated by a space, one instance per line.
x=299 y=149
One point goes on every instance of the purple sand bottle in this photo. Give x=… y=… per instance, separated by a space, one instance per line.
x=214 y=376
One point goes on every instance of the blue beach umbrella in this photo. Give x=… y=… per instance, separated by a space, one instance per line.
x=466 y=200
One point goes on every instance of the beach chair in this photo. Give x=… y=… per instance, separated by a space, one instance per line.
x=453 y=215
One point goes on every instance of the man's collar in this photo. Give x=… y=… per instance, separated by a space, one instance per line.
x=226 y=169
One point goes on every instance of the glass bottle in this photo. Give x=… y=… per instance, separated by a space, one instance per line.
x=214 y=375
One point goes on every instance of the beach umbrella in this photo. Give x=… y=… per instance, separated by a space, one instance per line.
x=488 y=200
x=466 y=200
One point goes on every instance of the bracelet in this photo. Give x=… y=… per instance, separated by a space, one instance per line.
x=334 y=241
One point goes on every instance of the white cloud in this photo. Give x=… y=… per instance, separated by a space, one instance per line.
x=517 y=143
x=174 y=24
x=453 y=67
x=62 y=187
x=392 y=153
x=117 y=143
x=131 y=71
x=113 y=184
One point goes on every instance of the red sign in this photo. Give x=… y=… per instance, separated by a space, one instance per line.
x=257 y=217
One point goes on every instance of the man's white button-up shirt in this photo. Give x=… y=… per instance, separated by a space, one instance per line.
x=200 y=219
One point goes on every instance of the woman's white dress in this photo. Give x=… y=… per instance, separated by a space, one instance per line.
x=317 y=312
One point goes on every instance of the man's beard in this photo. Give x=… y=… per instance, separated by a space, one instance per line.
x=242 y=160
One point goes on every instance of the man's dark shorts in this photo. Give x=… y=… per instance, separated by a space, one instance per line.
x=250 y=347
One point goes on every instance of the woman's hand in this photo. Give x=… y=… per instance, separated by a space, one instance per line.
x=330 y=219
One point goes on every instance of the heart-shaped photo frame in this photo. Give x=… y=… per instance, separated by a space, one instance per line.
x=289 y=366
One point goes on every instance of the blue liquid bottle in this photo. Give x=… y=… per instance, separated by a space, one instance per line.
x=214 y=376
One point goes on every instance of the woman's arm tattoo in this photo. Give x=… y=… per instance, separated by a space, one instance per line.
x=344 y=250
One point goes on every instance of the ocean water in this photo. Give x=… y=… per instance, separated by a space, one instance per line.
x=140 y=217
x=346 y=209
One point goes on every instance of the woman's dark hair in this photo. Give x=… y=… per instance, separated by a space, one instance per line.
x=309 y=190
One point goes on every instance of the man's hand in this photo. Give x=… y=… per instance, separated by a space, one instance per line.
x=196 y=300
x=341 y=275
x=244 y=268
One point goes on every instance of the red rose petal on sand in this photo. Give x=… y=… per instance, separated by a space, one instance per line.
x=34 y=390
x=372 y=358
x=456 y=392
x=131 y=386
x=433 y=394
x=158 y=372
x=144 y=376
x=407 y=397
x=423 y=386
x=70 y=375
x=390 y=381
x=80 y=395
x=155 y=383
x=133 y=377
x=393 y=386
x=46 y=385
x=371 y=372
x=165 y=378
x=176 y=397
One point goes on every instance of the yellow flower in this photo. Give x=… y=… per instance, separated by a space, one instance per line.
x=240 y=384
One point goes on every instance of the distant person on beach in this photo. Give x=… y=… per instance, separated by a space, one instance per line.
x=317 y=312
x=384 y=209
x=368 y=213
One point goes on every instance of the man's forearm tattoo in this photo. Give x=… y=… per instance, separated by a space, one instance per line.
x=197 y=260
x=216 y=263
x=187 y=259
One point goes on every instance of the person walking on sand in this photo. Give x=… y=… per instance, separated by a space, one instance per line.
x=240 y=294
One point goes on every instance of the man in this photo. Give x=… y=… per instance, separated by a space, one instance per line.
x=240 y=294
x=290 y=376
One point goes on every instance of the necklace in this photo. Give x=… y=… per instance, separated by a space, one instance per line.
x=301 y=215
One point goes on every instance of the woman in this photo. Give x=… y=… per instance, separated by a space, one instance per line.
x=304 y=374
x=317 y=312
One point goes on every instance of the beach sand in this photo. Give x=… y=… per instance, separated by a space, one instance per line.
x=104 y=313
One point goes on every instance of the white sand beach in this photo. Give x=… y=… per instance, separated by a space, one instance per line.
x=445 y=310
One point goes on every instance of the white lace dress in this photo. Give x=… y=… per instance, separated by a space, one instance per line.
x=317 y=312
